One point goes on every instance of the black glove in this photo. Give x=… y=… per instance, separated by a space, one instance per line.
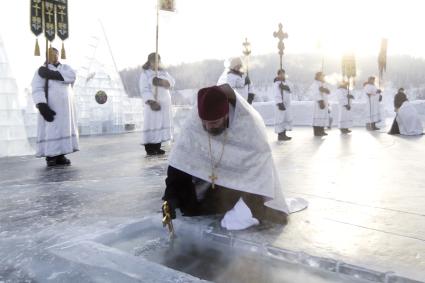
x=378 y=91
x=350 y=96
x=321 y=104
x=247 y=80
x=160 y=82
x=285 y=87
x=172 y=203
x=380 y=97
x=281 y=106
x=45 y=111
x=154 y=105
x=348 y=107
x=251 y=97
x=324 y=90
x=46 y=73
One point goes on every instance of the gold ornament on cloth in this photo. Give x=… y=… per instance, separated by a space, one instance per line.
x=213 y=177
x=63 y=53
x=37 y=48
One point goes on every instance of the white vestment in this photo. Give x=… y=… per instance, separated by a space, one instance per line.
x=408 y=120
x=247 y=164
x=235 y=81
x=345 y=116
x=283 y=119
x=157 y=125
x=372 y=103
x=320 y=116
x=60 y=136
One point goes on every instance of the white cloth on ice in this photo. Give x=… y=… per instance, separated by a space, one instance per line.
x=345 y=119
x=60 y=136
x=320 y=116
x=239 y=217
x=372 y=103
x=247 y=164
x=408 y=120
x=235 y=81
x=157 y=125
x=283 y=119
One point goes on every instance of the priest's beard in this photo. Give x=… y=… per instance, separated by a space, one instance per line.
x=219 y=130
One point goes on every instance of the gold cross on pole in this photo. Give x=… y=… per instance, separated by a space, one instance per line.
x=36 y=9
x=49 y=12
x=281 y=35
x=213 y=177
x=61 y=12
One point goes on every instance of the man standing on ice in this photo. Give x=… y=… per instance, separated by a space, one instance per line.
x=321 y=106
x=155 y=91
x=236 y=78
x=373 y=98
x=407 y=121
x=345 y=121
x=222 y=164
x=283 y=114
x=57 y=133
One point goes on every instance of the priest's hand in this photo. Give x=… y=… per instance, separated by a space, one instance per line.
x=285 y=87
x=322 y=104
x=154 y=105
x=251 y=97
x=161 y=82
x=324 y=90
x=281 y=106
x=348 y=107
x=45 y=111
x=46 y=73
x=247 y=80
x=172 y=204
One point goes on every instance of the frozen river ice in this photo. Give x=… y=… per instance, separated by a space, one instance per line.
x=365 y=191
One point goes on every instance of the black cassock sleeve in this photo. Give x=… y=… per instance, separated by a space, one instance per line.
x=180 y=192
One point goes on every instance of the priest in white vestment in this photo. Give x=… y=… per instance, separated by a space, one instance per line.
x=222 y=164
x=345 y=120
x=155 y=92
x=57 y=133
x=407 y=121
x=283 y=113
x=320 y=93
x=237 y=79
x=373 y=98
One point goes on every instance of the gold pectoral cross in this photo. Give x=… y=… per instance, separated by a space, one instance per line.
x=213 y=177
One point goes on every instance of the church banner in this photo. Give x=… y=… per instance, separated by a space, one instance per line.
x=62 y=19
x=49 y=20
x=36 y=17
x=167 y=5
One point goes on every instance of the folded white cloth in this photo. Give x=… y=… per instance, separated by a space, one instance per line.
x=239 y=217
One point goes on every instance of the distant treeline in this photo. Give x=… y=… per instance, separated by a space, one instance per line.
x=402 y=71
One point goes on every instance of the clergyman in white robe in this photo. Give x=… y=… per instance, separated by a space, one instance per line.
x=407 y=121
x=157 y=124
x=60 y=136
x=247 y=186
x=345 y=120
x=373 y=98
x=283 y=112
x=320 y=93
x=235 y=78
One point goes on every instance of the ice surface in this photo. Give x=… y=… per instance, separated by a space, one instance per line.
x=67 y=223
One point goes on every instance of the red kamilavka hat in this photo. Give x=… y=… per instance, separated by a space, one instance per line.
x=212 y=103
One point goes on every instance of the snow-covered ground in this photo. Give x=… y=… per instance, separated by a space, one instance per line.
x=87 y=222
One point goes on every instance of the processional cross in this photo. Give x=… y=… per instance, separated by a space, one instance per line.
x=281 y=35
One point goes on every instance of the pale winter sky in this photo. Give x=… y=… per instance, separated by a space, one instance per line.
x=203 y=29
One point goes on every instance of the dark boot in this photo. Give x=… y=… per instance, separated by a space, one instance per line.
x=374 y=127
x=322 y=131
x=280 y=136
x=51 y=161
x=369 y=126
x=285 y=137
x=158 y=150
x=62 y=160
x=316 y=131
x=150 y=149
